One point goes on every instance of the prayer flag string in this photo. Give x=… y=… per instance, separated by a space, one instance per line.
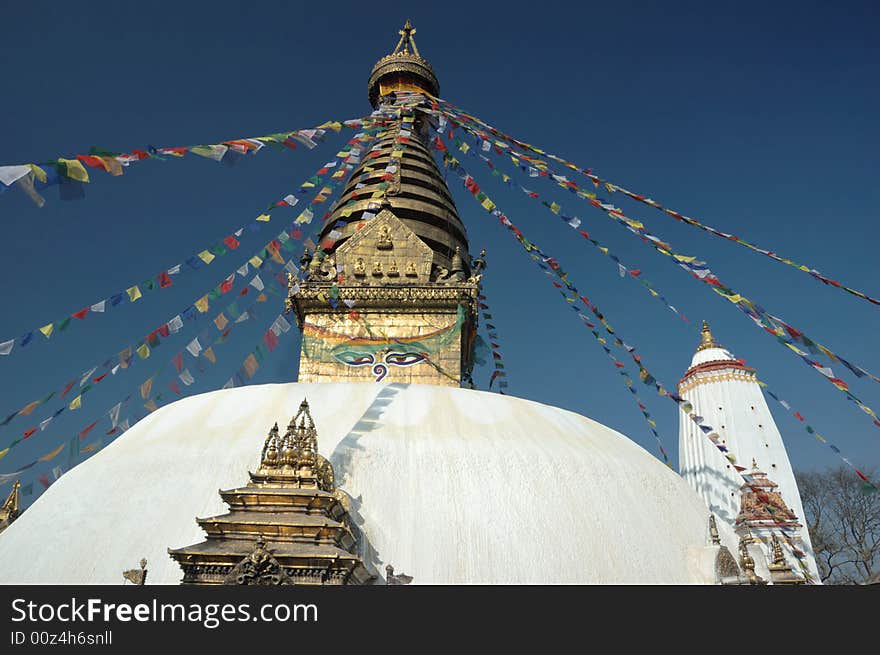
x=476 y=124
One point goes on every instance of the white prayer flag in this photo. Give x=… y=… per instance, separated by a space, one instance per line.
x=175 y=323
x=9 y=174
x=243 y=270
x=114 y=414
x=174 y=270
x=238 y=231
x=98 y=306
x=291 y=268
x=45 y=422
x=257 y=283
x=6 y=347
x=186 y=377
x=291 y=199
x=241 y=319
x=194 y=347
x=86 y=376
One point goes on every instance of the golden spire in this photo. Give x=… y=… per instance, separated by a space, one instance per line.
x=708 y=340
x=407 y=40
x=403 y=70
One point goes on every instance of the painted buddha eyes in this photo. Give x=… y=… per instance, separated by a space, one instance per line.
x=404 y=359
x=352 y=358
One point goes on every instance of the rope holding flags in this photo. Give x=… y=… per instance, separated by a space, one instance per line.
x=71 y=174
x=461 y=118
x=784 y=332
x=499 y=372
x=556 y=270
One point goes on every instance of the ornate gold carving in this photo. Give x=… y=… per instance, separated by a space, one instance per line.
x=259 y=567
x=411 y=269
x=377 y=268
x=137 y=576
x=290 y=502
x=9 y=510
x=383 y=240
x=392 y=269
x=748 y=564
x=359 y=269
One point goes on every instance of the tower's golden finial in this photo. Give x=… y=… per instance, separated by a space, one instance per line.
x=407 y=40
x=708 y=340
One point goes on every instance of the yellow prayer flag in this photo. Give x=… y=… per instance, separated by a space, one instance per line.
x=209 y=355
x=261 y=297
x=255 y=261
x=76 y=403
x=684 y=258
x=206 y=257
x=75 y=170
x=39 y=173
x=133 y=293
x=146 y=387
x=555 y=207
x=220 y=321
x=264 y=218
x=202 y=304
x=151 y=406
x=48 y=456
x=27 y=409
x=47 y=329
x=488 y=205
x=3 y=452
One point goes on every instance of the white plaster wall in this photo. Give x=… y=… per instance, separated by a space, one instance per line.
x=738 y=412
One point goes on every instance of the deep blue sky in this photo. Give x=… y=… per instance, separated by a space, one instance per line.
x=757 y=118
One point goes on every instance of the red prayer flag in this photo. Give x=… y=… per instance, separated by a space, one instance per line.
x=67 y=388
x=226 y=285
x=178 y=361
x=82 y=435
x=29 y=432
x=270 y=340
x=243 y=291
x=44 y=480
x=99 y=378
x=174 y=387
x=90 y=160
x=81 y=314
x=798 y=416
x=165 y=331
x=232 y=242
x=164 y=279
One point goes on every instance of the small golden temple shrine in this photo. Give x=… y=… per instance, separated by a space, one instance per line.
x=288 y=525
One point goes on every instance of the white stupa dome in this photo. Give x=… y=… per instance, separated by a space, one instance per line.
x=448 y=485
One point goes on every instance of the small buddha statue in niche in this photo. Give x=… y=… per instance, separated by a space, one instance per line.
x=392 y=269
x=377 y=268
x=383 y=241
x=411 y=269
x=359 y=269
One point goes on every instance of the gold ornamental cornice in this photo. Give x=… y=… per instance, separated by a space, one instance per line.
x=729 y=376
x=389 y=299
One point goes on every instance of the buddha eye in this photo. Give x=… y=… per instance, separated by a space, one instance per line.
x=404 y=359
x=352 y=358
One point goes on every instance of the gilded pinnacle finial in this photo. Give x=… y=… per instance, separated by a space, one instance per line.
x=708 y=341
x=406 y=39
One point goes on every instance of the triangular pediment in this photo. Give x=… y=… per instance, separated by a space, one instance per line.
x=385 y=251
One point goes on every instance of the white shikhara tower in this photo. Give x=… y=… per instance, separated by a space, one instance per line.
x=725 y=393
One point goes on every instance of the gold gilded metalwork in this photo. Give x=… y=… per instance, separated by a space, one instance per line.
x=708 y=341
x=288 y=525
x=137 y=576
x=259 y=567
x=9 y=511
